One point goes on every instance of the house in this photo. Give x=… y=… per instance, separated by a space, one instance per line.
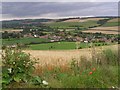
x=52 y=40
x=55 y=38
x=45 y=36
x=36 y=36
x=79 y=38
x=11 y=46
x=28 y=35
x=85 y=41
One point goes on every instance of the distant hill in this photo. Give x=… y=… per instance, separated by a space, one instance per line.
x=37 y=22
x=23 y=22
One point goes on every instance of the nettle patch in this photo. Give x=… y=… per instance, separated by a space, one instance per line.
x=17 y=67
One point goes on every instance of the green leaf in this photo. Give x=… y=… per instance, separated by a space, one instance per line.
x=37 y=78
x=6 y=80
x=5 y=75
x=18 y=77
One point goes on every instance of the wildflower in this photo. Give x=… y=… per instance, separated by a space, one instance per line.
x=93 y=69
x=90 y=73
x=45 y=82
x=10 y=70
x=13 y=62
x=50 y=68
x=113 y=87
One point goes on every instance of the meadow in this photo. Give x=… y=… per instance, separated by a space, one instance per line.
x=63 y=46
x=68 y=25
x=86 y=23
x=12 y=41
x=111 y=24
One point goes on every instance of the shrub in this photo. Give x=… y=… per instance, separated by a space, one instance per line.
x=99 y=44
x=18 y=67
x=3 y=47
x=80 y=48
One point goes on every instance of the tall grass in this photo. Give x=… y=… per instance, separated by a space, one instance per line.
x=100 y=72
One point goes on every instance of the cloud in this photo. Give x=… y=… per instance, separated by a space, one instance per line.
x=11 y=10
x=60 y=0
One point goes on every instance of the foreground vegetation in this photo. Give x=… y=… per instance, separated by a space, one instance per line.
x=95 y=73
x=17 y=70
x=100 y=72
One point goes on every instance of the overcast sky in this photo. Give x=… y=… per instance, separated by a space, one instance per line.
x=21 y=10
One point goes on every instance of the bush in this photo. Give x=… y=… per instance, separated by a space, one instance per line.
x=3 y=47
x=18 y=67
x=99 y=44
x=80 y=48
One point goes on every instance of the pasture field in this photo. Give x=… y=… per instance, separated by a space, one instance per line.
x=62 y=46
x=22 y=41
x=110 y=24
x=72 y=24
x=82 y=22
x=54 y=46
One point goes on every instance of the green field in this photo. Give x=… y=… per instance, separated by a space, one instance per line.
x=22 y=41
x=61 y=46
x=82 y=25
x=72 y=24
x=110 y=24
x=55 y=46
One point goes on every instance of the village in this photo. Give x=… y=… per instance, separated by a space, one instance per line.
x=59 y=36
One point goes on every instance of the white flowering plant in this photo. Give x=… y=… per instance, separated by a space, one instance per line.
x=18 y=67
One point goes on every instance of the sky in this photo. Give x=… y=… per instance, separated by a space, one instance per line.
x=35 y=10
